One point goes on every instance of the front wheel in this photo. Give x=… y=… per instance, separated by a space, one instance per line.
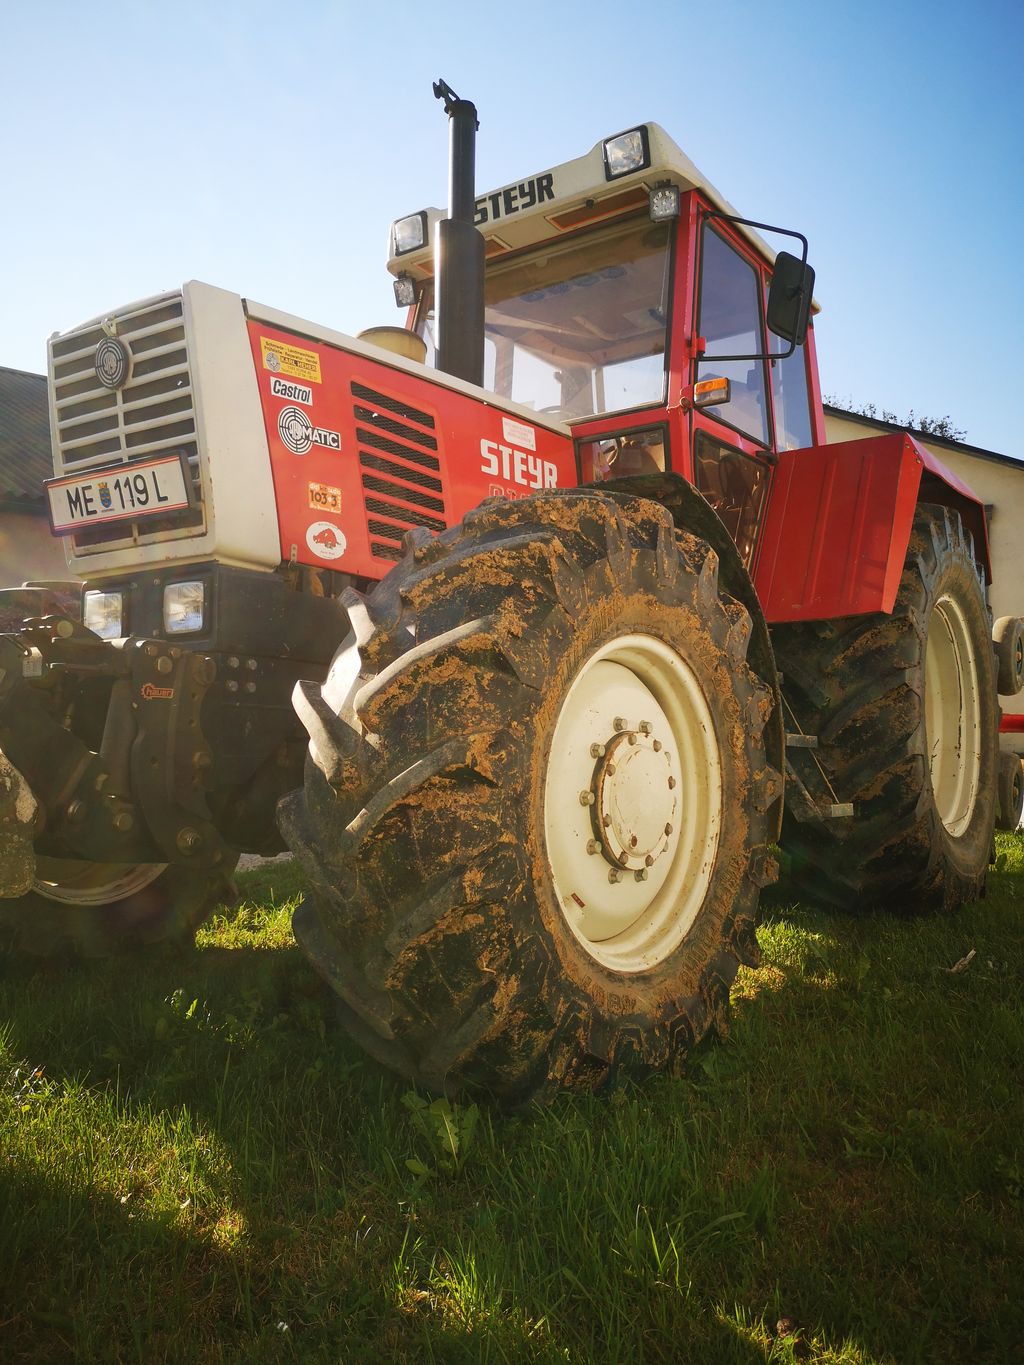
x=86 y=909
x=536 y=806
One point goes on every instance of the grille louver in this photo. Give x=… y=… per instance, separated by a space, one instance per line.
x=399 y=462
x=152 y=414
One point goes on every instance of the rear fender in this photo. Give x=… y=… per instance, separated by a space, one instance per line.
x=838 y=523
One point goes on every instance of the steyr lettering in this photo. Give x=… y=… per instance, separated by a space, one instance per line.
x=517 y=466
x=514 y=198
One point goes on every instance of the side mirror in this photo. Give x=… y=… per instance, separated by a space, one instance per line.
x=789 y=298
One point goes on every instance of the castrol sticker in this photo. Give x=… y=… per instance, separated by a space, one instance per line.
x=295 y=393
x=324 y=497
x=280 y=358
x=325 y=540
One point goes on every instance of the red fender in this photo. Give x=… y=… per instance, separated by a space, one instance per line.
x=838 y=524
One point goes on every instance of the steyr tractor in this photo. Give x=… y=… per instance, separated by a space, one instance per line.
x=531 y=628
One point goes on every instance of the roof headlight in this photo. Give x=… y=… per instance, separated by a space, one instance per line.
x=184 y=607
x=625 y=153
x=408 y=234
x=103 y=613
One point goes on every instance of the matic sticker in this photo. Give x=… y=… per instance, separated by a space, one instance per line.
x=325 y=540
x=324 y=498
x=280 y=358
x=300 y=435
x=295 y=393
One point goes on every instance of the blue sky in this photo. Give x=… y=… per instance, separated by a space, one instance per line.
x=266 y=148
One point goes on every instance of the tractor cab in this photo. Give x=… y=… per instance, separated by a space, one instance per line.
x=625 y=297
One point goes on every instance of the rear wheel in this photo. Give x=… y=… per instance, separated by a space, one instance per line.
x=904 y=710
x=86 y=909
x=535 y=808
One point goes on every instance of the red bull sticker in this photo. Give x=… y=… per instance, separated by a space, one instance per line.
x=325 y=540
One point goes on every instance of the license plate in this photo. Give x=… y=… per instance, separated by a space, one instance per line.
x=147 y=488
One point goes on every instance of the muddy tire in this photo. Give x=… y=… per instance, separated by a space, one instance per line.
x=89 y=910
x=1011 y=792
x=904 y=708
x=509 y=892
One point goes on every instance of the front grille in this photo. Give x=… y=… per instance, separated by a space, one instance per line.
x=152 y=414
x=389 y=426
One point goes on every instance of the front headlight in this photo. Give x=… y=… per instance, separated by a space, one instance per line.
x=184 y=607
x=103 y=612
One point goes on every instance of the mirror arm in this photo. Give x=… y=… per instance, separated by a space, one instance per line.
x=764 y=227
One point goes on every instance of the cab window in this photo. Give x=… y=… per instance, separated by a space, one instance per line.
x=730 y=322
x=789 y=397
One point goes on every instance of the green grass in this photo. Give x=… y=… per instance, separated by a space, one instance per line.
x=196 y=1165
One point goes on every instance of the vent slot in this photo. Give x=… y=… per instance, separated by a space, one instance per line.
x=381 y=551
x=394 y=490
x=406 y=514
x=395 y=405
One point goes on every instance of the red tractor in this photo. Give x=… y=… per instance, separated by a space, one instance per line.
x=538 y=624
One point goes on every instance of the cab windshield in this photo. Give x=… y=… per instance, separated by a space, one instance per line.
x=579 y=327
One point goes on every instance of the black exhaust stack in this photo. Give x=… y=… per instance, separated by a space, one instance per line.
x=459 y=250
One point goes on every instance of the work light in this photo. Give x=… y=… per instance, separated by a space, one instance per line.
x=664 y=203
x=405 y=291
x=626 y=152
x=103 y=613
x=408 y=234
x=184 y=607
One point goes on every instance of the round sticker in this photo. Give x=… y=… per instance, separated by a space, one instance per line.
x=325 y=540
x=295 y=430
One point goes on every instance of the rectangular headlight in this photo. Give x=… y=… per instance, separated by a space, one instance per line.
x=103 y=612
x=409 y=234
x=626 y=152
x=184 y=607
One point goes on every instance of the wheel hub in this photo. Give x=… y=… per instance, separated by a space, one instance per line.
x=632 y=802
x=635 y=798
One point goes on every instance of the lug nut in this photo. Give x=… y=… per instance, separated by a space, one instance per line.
x=232 y=662
x=151 y=650
x=671 y=783
x=614 y=875
x=644 y=727
x=597 y=751
x=188 y=840
x=649 y=860
x=250 y=664
x=641 y=874
x=610 y=770
x=623 y=858
x=593 y=845
x=250 y=687
x=64 y=629
x=586 y=798
x=123 y=821
x=619 y=724
x=657 y=745
x=76 y=812
x=231 y=685
x=606 y=820
x=163 y=664
x=668 y=829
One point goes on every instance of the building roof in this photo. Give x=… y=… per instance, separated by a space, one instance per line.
x=25 y=458
x=832 y=411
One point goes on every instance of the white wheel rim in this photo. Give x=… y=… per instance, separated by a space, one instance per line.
x=70 y=882
x=952 y=711
x=633 y=803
